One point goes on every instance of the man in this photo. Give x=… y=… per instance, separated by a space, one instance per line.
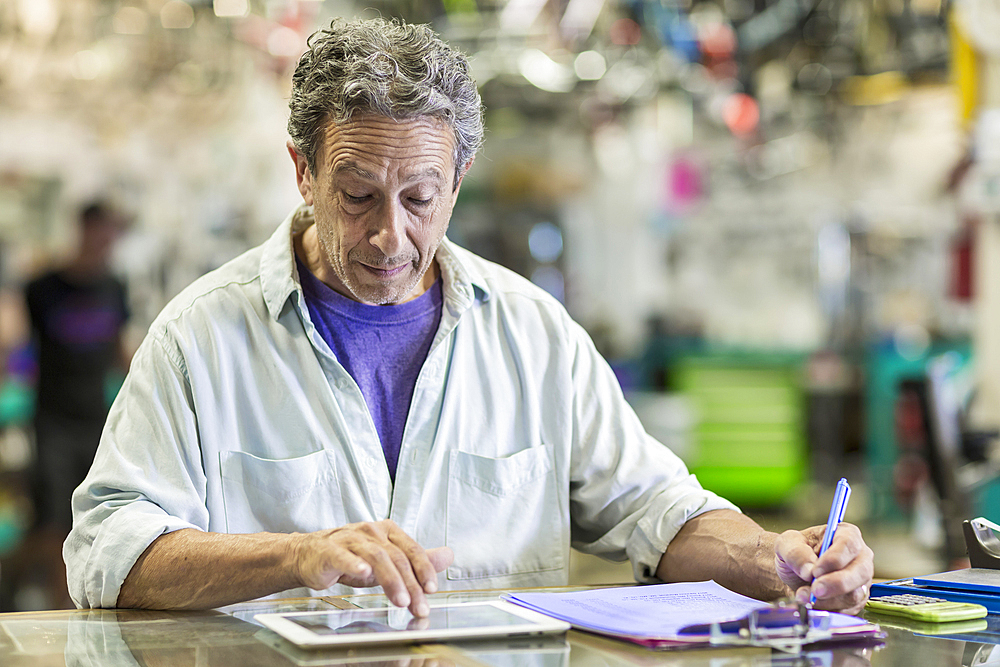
x=358 y=402
x=77 y=315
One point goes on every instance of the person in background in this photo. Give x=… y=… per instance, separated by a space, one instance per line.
x=77 y=314
x=359 y=402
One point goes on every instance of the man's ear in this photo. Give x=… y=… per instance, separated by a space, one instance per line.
x=461 y=177
x=303 y=177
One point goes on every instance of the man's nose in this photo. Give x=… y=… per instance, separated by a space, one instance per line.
x=390 y=233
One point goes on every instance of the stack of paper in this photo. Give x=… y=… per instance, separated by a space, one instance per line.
x=655 y=615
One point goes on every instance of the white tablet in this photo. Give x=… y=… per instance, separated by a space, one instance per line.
x=467 y=620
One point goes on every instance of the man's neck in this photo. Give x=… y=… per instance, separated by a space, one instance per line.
x=84 y=269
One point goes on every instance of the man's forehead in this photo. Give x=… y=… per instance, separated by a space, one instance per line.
x=364 y=142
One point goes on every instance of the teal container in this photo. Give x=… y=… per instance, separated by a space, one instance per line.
x=17 y=402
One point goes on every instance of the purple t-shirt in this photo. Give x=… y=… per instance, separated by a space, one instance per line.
x=382 y=347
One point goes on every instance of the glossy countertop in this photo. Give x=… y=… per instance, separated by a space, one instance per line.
x=229 y=637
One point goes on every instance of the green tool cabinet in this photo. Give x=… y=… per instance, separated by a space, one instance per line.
x=749 y=433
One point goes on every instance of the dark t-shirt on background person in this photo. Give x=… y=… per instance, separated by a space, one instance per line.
x=76 y=325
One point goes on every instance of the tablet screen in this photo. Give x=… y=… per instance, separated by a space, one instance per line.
x=392 y=620
x=389 y=625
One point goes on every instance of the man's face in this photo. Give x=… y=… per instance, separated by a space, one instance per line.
x=382 y=195
x=98 y=237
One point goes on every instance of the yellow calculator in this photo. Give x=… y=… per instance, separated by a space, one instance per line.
x=925 y=608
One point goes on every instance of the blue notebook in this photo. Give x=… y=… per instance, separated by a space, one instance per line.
x=974 y=579
x=949 y=587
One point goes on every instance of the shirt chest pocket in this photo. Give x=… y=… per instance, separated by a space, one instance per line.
x=504 y=514
x=280 y=495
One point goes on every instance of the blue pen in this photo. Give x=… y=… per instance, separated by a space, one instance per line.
x=837 y=510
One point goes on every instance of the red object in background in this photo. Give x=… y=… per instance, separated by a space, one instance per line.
x=625 y=32
x=910 y=471
x=717 y=41
x=909 y=419
x=962 y=254
x=741 y=114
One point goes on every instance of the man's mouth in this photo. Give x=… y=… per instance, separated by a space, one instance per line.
x=385 y=273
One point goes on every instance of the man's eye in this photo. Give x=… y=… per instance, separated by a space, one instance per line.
x=416 y=201
x=356 y=199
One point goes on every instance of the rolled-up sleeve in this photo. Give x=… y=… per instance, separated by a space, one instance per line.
x=629 y=493
x=147 y=478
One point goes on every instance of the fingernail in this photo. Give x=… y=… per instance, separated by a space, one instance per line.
x=423 y=609
x=819 y=590
x=807 y=572
x=403 y=601
x=431 y=586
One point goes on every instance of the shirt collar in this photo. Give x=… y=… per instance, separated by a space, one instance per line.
x=463 y=283
x=279 y=278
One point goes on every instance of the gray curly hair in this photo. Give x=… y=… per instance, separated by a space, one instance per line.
x=386 y=68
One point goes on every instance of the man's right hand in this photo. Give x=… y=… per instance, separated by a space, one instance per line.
x=372 y=554
x=192 y=569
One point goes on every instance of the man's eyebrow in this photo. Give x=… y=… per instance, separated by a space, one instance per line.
x=430 y=172
x=354 y=169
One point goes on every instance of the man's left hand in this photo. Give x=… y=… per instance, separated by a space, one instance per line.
x=840 y=580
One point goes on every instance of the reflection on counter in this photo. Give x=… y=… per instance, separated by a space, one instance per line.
x=218 y=639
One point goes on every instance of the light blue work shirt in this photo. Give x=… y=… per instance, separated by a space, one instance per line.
x=237 y=418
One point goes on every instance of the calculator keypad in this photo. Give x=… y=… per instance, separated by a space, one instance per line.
x=907 y=600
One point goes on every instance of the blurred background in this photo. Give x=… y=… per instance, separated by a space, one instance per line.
x=778 y=219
